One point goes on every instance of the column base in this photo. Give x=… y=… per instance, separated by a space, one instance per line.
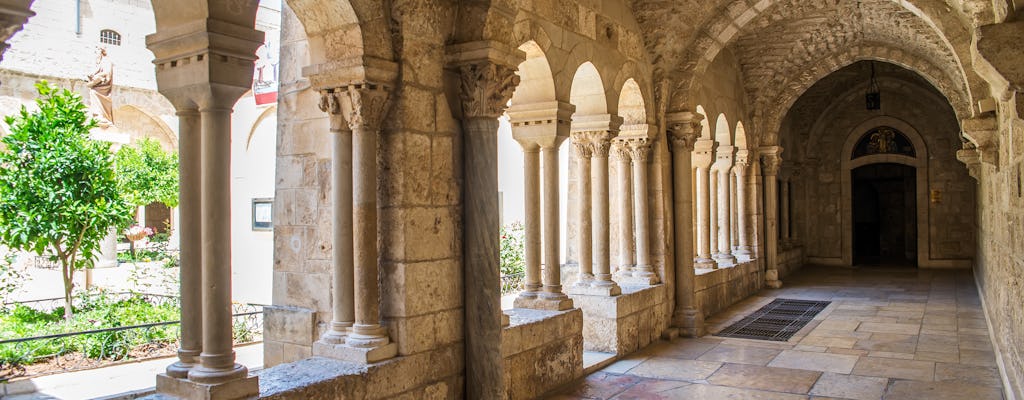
x=187 y=359
x=598 y=288
x=336 y=334
x=623 y=271
x=690 y=323
x=246 y=387
x=636 y=279
x=361 y=355
x=774 y=284
x=210 y=376
x=584 y=280
x=724 y=258
x=549 y=302
x=771 y=278
x=705 y=263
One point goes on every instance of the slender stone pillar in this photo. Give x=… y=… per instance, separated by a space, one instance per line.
x=532 y=190
x=342 y=291
x=486 y=81
x=217 y=361
x=713 y=213
x=602 y=256
x=639 y=150
x=771 y=160
x=683 y=131
x=552 y=268
x=723 y=168
x=702 y=151
x=620 y=149
x=585 y=238
x=366 y=105
x=190 y=248
x=742 y=205
x=784 y=218
x=733 y=229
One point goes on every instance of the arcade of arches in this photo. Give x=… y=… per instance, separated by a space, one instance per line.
x=716 y=148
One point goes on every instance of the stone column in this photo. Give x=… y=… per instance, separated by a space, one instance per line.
x=784 y=218
x=552 y=293
x=531 y=167
x=485 y=87
x=585 y=238
x=599 y=217
x=190 y=248
x=343 y=288
x=724 y=168
x=733 y=229
x=217 y=361
x=703 y=160
x=626 y=240
x=771 y=160
x=639 y=150
x=713 y=213
x=365 y=106
x=683 y=131
x=742 y=204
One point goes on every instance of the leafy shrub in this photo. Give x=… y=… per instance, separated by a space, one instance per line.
x=513 y=248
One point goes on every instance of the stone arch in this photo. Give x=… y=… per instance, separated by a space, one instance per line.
x=919 y=163
x=140 y=124
x=740 y=137
x=269 y=112
x=632 y=106
x=631 y=72
x=587 y=92
x=537 y=83
x=343 y=29
x=705 y=125
x=723 y=135
x=770 y=112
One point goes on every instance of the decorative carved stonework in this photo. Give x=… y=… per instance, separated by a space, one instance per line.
x=620 y=149
x=366 y=105
x=683 y=130
x=770 y=164
x=639 y=149
x=584 y=149
x=601 y=148
x=486 y=88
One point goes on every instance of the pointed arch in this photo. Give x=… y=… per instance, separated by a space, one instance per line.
x=723 y=135
x=588 y=92
x=537 y=83
x=632 y=107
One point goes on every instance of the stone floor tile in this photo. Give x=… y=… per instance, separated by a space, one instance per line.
x=765 y=378
x=837 y=325
x=952 y=356
x=827 y=341
x=888 y=354
x=688 y=349
x=826 y=362
x=674 y=369
x=984 y=345
x=852 y=352
x=621 y=366
x=600 y=385
x=721 y=392
x=814 y=349
x=888 y=342
x=850 y=386
x=651 y=390
x=895 y=368
x=914 y=390
x=987 y=376
x=978 y=357
x=901 y=329
x=740 y=354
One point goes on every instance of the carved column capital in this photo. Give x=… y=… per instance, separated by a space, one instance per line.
x=485 y=88
x=770 y=164
x=983 y=133
x=683 y=129
x=601 y=147
x=639 y=149
x=331 y=104
x=620 y=149
x=358 y=105
x=971 y=157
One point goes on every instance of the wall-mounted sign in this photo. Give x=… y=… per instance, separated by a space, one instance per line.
x=264 y=80
x=263 y=214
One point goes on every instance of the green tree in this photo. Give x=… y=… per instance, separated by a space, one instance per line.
x=57 y=186
x=146 y=173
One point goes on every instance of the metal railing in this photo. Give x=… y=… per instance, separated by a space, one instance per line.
x=512 y=283
x=74 y=351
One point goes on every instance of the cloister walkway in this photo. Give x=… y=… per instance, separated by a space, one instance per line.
x=889 y=333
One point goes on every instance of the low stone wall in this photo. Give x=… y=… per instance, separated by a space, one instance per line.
x=542 y=350
x=719 y=288
x=625 y=323
x=790 y=260
x=288 y=334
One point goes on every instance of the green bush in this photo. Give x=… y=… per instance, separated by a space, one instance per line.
x=513 y=248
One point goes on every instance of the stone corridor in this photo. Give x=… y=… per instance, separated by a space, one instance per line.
x=890 y=333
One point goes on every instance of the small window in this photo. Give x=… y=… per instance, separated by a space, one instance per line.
x=108 y=36
x=262 y=214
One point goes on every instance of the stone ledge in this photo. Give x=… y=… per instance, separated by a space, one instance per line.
x=622 y=324
x=541 y=351
x=243 y=388
x=529 y=329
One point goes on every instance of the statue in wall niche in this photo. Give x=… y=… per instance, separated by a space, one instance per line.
x=101 y=84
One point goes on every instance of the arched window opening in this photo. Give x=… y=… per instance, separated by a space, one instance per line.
x=110 y=37
x=883 y=140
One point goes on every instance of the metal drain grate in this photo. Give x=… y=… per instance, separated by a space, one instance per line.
x=777 y=321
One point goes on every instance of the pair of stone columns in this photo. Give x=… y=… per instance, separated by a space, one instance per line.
x=632 y=155
x=356 y=112
x=592 y=147
x=702 y=160
x=721 y=225
x=540 y=129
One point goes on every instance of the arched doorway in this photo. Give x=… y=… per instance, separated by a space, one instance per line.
x=884 y=214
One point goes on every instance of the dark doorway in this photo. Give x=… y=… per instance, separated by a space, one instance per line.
x=885 y=215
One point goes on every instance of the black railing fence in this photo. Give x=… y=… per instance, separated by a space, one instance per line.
x=65 y=352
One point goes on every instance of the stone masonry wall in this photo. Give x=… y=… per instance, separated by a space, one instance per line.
x=999 y=269
x=542 y=351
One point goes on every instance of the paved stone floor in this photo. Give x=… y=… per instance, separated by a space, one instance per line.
x=890 y=333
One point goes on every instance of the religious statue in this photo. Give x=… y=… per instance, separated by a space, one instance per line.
x=101 y=83
x=882 y=141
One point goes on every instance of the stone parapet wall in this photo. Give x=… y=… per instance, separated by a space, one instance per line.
x=790 y=260
x=718 y=289
x=625 y=323
x=542 y=350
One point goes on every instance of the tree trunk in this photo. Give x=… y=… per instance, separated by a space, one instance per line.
x=68 y=285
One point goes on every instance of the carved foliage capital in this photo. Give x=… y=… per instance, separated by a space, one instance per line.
x=639 y=149
x=359 y=105
x=485 y=88
x=771 y=163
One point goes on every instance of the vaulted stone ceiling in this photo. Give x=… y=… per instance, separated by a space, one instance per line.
x=783 y=44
